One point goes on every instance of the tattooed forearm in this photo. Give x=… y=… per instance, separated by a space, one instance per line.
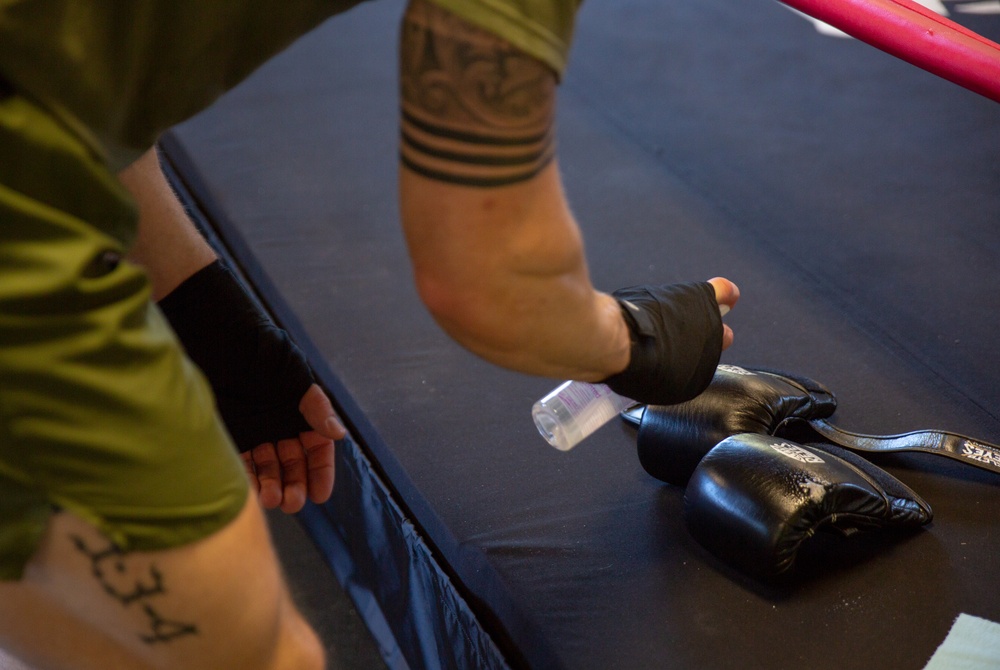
x=128 y=584
x=476 y=110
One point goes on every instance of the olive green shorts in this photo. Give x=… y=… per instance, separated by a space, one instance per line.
x=101 y=414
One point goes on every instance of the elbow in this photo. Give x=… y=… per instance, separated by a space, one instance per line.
x=473 y=315
x=457 y=308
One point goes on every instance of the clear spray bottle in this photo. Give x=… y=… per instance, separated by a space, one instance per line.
x=574 y=410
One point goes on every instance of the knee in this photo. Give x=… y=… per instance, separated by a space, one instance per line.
x=299 y=648
x=313 y=653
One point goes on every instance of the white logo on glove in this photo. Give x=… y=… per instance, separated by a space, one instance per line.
x=736 y=370
x=631 y=306
x=798 y=453
x=981 y=453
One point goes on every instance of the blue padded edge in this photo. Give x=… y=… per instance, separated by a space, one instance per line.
x=382 y=561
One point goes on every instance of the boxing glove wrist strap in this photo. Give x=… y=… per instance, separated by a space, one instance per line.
x=942 y=443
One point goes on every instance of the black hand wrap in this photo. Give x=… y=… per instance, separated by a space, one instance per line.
x=676 y=334
x=257 y=373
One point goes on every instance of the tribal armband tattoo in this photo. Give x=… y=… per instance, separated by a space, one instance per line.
x=476 y=111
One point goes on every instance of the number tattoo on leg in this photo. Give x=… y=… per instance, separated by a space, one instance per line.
x=130 y=584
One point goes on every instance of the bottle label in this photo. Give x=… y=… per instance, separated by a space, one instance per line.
x=578 y=397
x=591 y=405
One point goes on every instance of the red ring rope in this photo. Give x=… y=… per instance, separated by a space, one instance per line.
x=916 y=35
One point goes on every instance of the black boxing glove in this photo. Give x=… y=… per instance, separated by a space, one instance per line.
x=676 y=335
x=257 y=373
x=673 y=439
x=754 y=499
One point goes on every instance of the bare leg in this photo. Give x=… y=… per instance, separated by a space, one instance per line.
x=217 y=603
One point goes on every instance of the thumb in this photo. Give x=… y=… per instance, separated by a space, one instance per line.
x=726 y=292
x=318 y=413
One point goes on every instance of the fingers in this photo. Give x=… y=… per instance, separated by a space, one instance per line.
x=268 y=475
x=293 y=471
x=318 y=413
x=726 y=293
x=297 y=469
x=320 y=456
x=287 y=474
x=727 y=337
